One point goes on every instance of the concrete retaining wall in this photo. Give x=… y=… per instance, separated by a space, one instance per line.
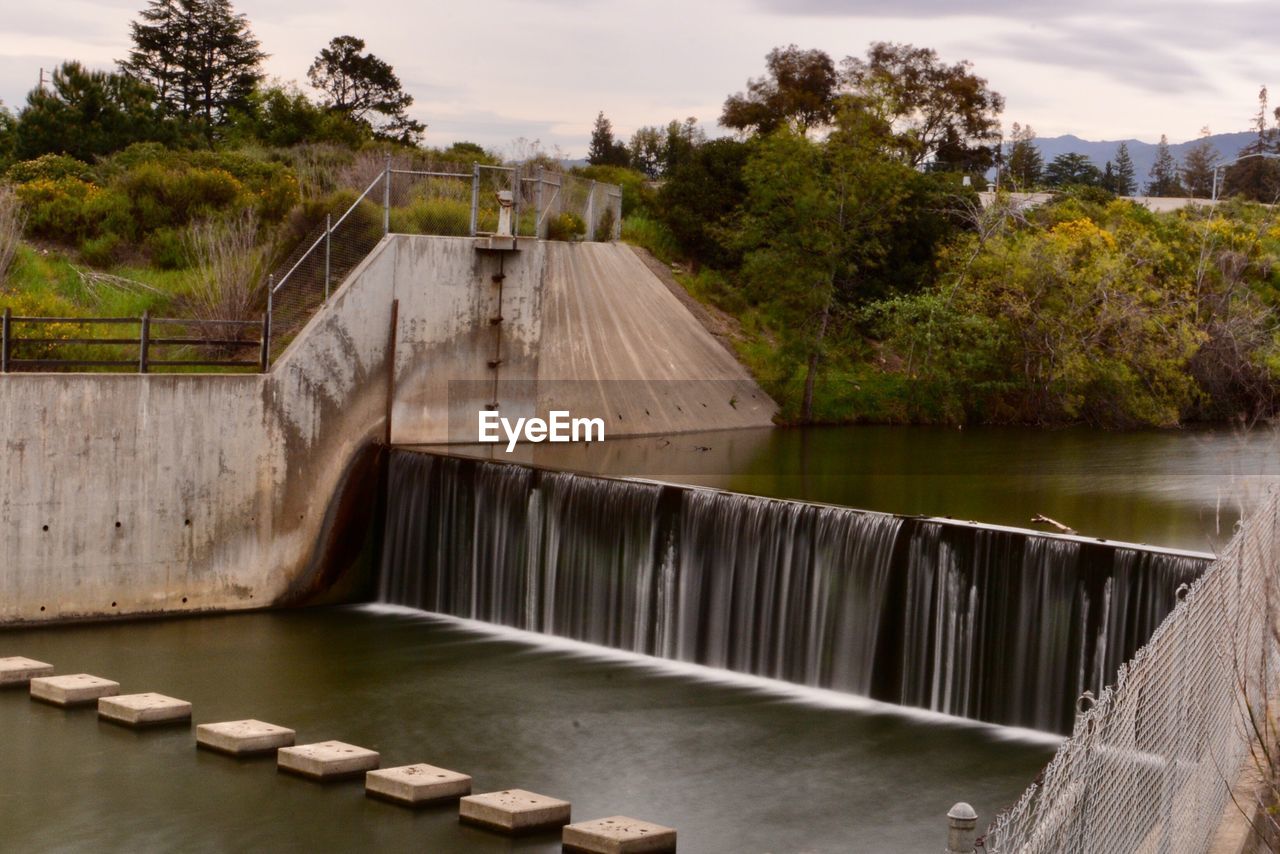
x=130 y=494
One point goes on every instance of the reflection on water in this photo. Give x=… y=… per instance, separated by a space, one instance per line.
x=1183 y=489
x=734 y=767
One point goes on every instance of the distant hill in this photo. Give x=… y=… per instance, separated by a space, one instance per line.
x=1143 y=153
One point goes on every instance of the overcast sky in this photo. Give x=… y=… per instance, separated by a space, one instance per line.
x=496 y=70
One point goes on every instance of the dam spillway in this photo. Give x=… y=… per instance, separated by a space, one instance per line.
x=995 y=624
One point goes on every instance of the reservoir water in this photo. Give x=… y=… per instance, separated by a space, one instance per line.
x=735 y=767
x=736 y=763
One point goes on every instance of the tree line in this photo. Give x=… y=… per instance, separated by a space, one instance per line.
x=193 y=77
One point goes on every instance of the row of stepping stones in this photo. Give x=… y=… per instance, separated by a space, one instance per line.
x=511 y=811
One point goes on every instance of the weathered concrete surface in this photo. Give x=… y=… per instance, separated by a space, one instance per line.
x=619 y=835
x=417 y=785
x=243 y=738
x=514 y=811
x=76 y=689
x=131 y=494
x=327 y=760
x=140 y=710
x=17 y=671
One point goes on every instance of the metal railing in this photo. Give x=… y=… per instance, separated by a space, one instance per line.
x=48 y=350
x=426 y=196
x=1151 y=765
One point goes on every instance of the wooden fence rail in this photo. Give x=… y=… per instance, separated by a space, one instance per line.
x=145 y=341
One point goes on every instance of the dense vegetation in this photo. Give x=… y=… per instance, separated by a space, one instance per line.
x=869 y=284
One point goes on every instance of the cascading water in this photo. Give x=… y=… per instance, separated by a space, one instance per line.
x=995 y=624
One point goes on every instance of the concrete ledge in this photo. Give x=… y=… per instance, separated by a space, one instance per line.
x=17 y=671
x=77 y=689
x=417 y=785
x=619 y=835
x=326 y=760
x=243 y=738
x=141 y=710
x=514 y=811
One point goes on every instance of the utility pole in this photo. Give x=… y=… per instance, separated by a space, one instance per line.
x=42 y=78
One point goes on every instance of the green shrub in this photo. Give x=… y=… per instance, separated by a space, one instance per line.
x=433 y=216
x=167 y=250
x=49 y=167
x=57 y=209
x=102 y=251
x=652 y=234
x=566 y=226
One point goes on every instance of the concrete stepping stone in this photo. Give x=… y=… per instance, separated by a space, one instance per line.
x=514 y=811
x=77 y=689
x=327 y=760
x=619 y=835
x=417 y=785
x=243 y=738
x=140 y=710
x=17 y=671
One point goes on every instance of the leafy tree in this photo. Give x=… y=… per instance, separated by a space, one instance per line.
x=798 y=91
x=283 y=116
x=648 y=151
x=87 y=114
x=1256 y=177
x=1125 y=181
x=1072 y=169
x=8 y=135
x=700 y=198
x=935 y=110
x=817 y=218
x=467 y=151
x=1025 y=164
x=199 y=56
x=604 y=150
x=1164 y=173
x=682 y=138
x=365 y=89
x=1198 y=168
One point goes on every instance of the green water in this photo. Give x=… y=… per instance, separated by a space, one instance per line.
x=734 y=768
x=1182 y=489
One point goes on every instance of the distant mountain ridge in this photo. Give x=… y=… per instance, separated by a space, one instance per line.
x=1143 y=153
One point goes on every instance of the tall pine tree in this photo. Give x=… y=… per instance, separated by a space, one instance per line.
x=1164 y=173
x=1198 y=167
x=1124 y=180
x=604 y=149
x=1257 y=177
x=199 y=55
x=1025 y=164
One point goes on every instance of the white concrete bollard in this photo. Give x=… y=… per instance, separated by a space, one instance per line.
x=962 y=829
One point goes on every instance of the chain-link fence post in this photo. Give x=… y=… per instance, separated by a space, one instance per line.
x=265 y=358
x=475 y=196
x=538 y=215
x=328 y=253
x=591 y=212
x=386 y=197
x=517 y=187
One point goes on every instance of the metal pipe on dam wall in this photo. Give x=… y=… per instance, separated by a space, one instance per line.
x=996 y=624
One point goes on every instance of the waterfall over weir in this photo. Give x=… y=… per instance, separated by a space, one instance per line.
x=996 y=624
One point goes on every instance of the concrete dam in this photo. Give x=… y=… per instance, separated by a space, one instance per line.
x=163 y=494
x=916 y=612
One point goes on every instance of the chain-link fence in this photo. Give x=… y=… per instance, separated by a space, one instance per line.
x=1150 y=767
x=427 y=196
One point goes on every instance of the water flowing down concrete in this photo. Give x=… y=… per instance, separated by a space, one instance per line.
x=997 y=624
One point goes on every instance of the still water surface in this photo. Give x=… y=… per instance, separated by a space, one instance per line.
x=1182 y=489
x=733 y=767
